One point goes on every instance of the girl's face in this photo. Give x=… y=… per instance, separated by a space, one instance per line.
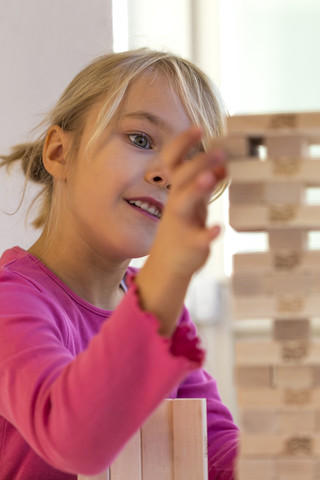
x=117 y=189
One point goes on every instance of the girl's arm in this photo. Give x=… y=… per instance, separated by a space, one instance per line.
x=78 y=409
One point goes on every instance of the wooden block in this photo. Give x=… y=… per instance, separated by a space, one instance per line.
x=280 y=421
x=249 y=352
x=172 y=444
x=102 y=476
x=157 y=444
x=293 y=376
x=288 y=352
x=190 y=440
x=296 y=243
x=251 y=218
x=292 y=329
x=279 y=445
x=262 y=283
x=250 y=398
x=280 y=260
x=264 y=398
x=287 y=145
x=128 y=463
x=284 y=193
x=253 y=376
x=304 y=124
x=280 y=307
x=297 y=422
x=259 y=421
x=248 y=283
x=267 y=193
x=246 y=193
x=317 y=420
x=317 y=469
x=297 y=352
x=316 y=282
x=316 y=375
x=236 y=146
x=275 y=170
x=295 y=468
x=256 y=468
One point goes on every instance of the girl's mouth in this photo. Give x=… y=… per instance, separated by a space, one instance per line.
x=147 y=206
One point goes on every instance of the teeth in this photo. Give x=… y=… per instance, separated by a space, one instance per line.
x=146 y=207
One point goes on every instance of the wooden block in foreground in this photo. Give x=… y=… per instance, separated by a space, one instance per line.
x=190 y=440
x=128 y=463
x=159 y=428
x=171 y=445
x=102 y=476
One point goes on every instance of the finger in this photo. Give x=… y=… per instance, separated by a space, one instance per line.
x=175 y=151
x=191 y=202
x=207 y=235
x=213 y=162
x=203 y=237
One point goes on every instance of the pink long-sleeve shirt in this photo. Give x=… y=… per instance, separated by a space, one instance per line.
x=77 y=381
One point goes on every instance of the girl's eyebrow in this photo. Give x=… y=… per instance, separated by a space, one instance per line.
x=150 y=117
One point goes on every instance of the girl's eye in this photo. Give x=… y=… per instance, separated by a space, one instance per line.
x=140 y=140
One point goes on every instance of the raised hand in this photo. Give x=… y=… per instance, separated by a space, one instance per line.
x=182 y=243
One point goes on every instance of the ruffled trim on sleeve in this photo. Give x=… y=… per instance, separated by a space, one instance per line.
x=184 y=341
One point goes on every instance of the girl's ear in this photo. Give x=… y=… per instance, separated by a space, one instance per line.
x=54 y=155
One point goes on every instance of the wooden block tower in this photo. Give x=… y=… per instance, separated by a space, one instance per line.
x=278 y=381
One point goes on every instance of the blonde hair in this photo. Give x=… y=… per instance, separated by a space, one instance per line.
x=107 y=79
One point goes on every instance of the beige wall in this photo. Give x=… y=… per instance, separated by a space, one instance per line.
x=43 y=44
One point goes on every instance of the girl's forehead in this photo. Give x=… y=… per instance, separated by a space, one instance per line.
x=148 y=87
x=152 y=93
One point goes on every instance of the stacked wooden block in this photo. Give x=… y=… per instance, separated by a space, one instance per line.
x=278 y=380
x=171 y=445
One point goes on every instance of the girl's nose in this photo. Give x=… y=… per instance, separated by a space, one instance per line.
x=158 y=177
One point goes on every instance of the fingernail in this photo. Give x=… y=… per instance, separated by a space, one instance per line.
x=220 y=172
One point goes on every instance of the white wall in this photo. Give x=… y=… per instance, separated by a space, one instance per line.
x=270 y=51
x=43 y=44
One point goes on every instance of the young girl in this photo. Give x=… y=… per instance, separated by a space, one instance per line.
x=89 y=346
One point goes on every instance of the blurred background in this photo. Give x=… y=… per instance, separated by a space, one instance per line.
x=262 y=55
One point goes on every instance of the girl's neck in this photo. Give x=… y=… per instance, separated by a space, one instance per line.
x=95 y=279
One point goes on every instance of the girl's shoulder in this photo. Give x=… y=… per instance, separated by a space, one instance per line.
x=20 y=266
x=11 y=255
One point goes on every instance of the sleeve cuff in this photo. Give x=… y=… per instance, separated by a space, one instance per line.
x=184 y=341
